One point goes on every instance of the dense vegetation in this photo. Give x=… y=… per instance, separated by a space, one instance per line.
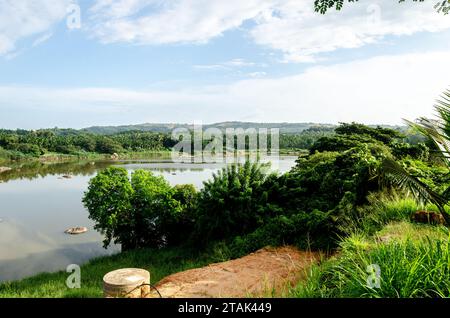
x=24 y=144
x=248 y=208
x=335 y=199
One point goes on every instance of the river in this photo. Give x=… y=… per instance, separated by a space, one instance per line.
x=37 y=203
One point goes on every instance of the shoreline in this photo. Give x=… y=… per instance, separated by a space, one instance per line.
x=59 y=157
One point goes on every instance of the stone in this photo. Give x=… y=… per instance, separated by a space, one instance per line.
x=429 y=217
x=76 y=230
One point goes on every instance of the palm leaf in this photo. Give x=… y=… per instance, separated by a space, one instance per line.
x=398 y=176
x=437 y=130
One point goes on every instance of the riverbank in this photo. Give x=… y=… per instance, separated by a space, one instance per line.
x=160 y=263
x=410 y=260
x=59 y=157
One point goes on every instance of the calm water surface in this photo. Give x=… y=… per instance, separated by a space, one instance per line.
x=37 y=205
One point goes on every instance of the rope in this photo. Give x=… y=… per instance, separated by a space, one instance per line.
x=151 y=286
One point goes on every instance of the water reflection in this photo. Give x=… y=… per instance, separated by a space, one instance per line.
x=40 y=252
x=37 y=205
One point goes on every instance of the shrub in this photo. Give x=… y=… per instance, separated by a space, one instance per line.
x=140 y=212
x=29 y=149
x=228 y=204
x=108 y=146
x=306 y=230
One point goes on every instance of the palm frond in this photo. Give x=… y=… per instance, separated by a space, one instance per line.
x=397 y=175
x=438 y=129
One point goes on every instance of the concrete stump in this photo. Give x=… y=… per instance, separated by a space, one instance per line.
x=126 y=283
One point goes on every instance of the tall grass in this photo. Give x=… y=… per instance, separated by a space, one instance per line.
x=381 y=209
x=416 y=264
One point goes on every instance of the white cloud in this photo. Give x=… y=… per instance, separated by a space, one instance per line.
x=289 y=26
x=229 y=65
x=175 y=21
x=301 y=34
x=24 y=19
x=42 y=39
x=383 y=89
x=257 y=74
x=239 y=63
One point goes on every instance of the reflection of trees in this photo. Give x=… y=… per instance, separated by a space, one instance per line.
x=33 y=170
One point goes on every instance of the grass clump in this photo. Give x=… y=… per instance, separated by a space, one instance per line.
x=413 y=261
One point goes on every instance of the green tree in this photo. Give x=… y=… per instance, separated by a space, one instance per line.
x=108 y=146
x=109 y=202
x=136 y=212
x=154 y=209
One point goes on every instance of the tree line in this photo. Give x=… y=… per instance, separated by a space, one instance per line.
x=248 y=208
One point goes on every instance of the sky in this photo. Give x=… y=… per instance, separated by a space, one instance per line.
x=67 y=63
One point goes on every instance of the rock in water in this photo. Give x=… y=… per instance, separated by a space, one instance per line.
x=76 y=230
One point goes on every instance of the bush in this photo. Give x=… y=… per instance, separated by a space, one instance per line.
x=228 y=204
x=180 y=225
x=108 y=146
x=403 y=150
x=306 y=230
x=140 y=212
x=67 y=149
x=29 y=149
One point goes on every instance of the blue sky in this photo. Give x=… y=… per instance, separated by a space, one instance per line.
x=135 y=61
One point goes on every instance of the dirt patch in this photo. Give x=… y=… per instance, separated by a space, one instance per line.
x=267 y=272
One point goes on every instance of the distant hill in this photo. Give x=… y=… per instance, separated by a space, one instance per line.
x=166 y=128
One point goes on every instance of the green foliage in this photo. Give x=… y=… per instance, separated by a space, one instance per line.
x=320 y=181
x=108 y=200
x=305 y=139
x=381 y=208
x=384 y=135
x=411 y=267
x=228 y=204
x=310 y=230
x=141 y=212
x=22 y=143
x=107 y=145
x=403 y=150
x=356 y=135
x=324 y=196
